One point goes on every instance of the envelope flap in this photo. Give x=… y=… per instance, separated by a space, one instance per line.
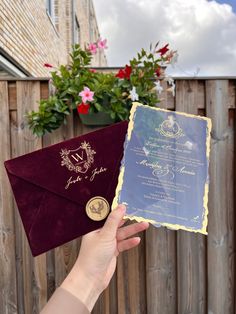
x=77 y=169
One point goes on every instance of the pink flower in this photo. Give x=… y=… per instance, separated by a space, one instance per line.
x=86 y=94
x=92 y=48
x=102 y=44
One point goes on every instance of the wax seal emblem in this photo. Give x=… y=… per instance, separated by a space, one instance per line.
x=97 y=208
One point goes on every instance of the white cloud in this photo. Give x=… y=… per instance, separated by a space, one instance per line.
x=202 y=31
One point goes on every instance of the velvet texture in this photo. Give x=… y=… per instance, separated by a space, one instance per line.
x=51 y=193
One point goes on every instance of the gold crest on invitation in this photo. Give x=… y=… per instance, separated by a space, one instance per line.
x=170 y=128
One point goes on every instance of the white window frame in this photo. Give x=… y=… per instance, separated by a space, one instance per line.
x=10 y=68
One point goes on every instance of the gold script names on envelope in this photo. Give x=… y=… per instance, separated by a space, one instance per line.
x=97 y=208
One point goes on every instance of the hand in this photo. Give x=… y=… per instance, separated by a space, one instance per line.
x=97 y=259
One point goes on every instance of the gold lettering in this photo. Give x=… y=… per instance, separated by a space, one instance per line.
x=96 y=171
x=70 y=181
x=78 y=156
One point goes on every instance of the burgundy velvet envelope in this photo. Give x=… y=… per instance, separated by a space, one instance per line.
x=53 y=185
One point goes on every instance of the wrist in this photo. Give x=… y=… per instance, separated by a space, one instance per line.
x=82 y=287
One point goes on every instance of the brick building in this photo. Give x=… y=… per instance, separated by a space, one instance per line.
x=36 y=32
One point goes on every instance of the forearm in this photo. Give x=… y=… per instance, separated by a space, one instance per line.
x=82 y=287
x=76 y=295
x=62 y=301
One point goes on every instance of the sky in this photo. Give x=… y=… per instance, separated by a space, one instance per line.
x=203 y=32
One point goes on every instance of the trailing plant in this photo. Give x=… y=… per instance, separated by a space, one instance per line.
x=78 y=86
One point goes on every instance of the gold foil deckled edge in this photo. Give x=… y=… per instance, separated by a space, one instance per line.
x=115 y=202
x=205 y=197
x=163 y=224
x=122 y=171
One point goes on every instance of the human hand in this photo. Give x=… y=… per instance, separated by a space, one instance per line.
x=97 y=259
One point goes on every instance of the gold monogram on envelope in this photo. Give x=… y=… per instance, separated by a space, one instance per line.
x=78 y=160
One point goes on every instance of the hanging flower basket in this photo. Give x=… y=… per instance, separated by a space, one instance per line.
x=96 y=118
x=102 y=98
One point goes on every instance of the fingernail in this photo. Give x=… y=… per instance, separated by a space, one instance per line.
x=121 y=207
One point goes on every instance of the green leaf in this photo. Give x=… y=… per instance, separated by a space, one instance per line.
x=98 y=107
x=113 y=115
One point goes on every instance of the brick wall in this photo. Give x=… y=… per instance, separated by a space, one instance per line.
x=30 y=37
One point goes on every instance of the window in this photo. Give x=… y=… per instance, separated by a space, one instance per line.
x=50 y=9
x=8 y=68
x=76 y=31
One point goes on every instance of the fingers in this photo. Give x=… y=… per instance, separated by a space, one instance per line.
x=128 y=244
x=123 y=221
x=112 y=223
x=130 y=230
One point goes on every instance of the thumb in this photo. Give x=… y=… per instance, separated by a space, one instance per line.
x=113 y=221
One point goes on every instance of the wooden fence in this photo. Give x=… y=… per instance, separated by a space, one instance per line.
x=170 y=272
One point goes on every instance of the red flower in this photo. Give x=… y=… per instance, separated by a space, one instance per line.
x=92 y=70
x=48 y=65
x=83 y=108
x=163 y=50
x=128 y=71
x=125 y=73
x=158 y=72
x=120 y=74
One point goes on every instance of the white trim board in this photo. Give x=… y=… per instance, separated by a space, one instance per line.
x=11 y=68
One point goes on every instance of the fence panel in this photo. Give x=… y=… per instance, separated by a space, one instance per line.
x=191 y=249
x=221 y=238
x=8 y=293
x=170 y=272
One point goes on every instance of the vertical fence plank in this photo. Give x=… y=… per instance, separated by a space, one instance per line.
x=17 y=220
x=33 y=270
x=59 y=260
x=49 y=139
x=168 y=268
x=191 y=249
x=122 y=283
x=136 y=278
x=161 y=256
x=113 y=305
x=53 y=279
x=131 y=281
x=8 y=293
x=161 y=271
x=231 y=94
x=221 y=245
x=66 y=254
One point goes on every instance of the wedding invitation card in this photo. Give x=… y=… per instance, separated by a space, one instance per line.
x=164 y=172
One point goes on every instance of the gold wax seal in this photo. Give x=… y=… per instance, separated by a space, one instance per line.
x=97 y=208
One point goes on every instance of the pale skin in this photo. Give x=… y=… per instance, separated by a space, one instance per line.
x=97 y=258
